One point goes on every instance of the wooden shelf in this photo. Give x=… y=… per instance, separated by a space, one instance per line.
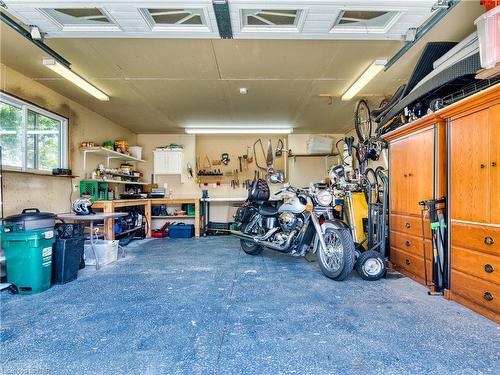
x=119 y=182
x=6 y=170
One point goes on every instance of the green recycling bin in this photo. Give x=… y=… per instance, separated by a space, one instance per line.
x=28 y=256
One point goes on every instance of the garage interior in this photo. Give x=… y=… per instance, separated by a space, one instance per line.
x=233 y=186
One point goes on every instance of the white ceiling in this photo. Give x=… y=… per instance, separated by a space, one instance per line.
x=315 y=19
x=161 y=85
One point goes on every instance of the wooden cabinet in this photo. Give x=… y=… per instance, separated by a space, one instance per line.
x=469 y=173
x=168 y=162
x=454 y=152
x=495 y=162
x=413 y=173
x=475 y=218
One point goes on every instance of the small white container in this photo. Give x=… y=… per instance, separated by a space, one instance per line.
x=488 y=32
x=135 y=151
x=319 y=144
x=107 y=252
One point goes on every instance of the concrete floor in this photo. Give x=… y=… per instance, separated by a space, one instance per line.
x=204 y=307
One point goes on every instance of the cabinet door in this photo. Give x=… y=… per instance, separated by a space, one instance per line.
x=420 y=169
x=470 y=169
x=399 y=176
x=174 y=162
x=495 y=163
x=160 y=162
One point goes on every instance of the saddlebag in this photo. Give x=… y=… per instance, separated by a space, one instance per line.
x=243 y=215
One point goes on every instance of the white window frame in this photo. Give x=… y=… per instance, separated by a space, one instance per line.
x=155 y=27
x=25 y=107
x=352 y=29
x=297 y=27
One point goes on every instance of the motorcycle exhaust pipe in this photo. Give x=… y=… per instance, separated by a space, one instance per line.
x=248 y=237
x=261 y=241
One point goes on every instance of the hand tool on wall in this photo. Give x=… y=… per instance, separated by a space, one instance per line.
x=279 y=149
x=206 y=163
x=225 y=158
x=249 y=155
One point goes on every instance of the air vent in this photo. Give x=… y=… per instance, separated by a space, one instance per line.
x=365 y=21
x=167 y=17
x=79 y=17
x=271 y=18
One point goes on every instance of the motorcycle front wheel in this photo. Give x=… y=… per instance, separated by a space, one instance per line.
x=250 y=248
x=337 y=261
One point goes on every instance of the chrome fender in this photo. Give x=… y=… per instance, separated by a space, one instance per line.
x=332 y=224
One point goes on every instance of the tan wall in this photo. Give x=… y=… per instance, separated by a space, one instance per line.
x=301 y=172
x=54 y=193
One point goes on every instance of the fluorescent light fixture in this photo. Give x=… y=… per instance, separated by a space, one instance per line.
x=374 y=69
x=71 y=76
x=240 y=129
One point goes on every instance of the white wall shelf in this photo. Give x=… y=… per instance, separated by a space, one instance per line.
x=108 y=154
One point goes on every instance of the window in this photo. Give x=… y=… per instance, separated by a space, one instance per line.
x=32 y=138
x=77 y=19
x=271 y=17
x=365 y=21
x=168 y=18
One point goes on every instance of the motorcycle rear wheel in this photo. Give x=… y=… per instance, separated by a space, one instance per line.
x=338 y=263
x=250 y=248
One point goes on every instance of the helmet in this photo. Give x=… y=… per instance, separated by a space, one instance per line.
x=82 y=206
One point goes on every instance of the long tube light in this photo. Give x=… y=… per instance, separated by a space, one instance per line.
x=375 y=68
x=238 y=130
x=71 y=76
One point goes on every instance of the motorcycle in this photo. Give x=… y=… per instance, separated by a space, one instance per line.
x=301 y=224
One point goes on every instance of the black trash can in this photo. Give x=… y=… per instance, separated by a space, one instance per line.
x=66 y=258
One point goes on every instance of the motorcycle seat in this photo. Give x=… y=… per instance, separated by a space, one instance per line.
x=268 y=210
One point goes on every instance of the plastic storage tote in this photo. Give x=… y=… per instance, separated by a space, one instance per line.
x=181 y=231
x=189 y=208
x=107 y=252
x=66 y=259
x=135 y=151
x=488 y=33
x=29 y=259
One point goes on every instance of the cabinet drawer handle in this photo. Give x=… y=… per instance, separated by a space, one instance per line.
x=405 y=175
x=482 y=166
x=488 y=296
x=488 y=268
x=410 y=175
x=408 y=243
x=407 y=261
x=408 y=225
x=489 y=241
x=493 y=163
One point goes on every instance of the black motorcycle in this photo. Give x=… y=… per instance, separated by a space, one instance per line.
x=301 y=224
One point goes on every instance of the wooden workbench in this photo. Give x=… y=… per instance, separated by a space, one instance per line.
x=171 y=202
x=111 y=205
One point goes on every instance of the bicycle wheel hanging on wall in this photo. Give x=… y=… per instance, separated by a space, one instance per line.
x=363 y=121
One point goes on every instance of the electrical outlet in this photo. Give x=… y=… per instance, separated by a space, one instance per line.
x=75 y=188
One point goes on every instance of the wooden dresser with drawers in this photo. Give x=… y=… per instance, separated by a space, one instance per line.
x=417 y=154
x=474 y=205
x=454 y=152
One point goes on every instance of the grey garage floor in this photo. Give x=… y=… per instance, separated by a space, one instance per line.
x=204 y=307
